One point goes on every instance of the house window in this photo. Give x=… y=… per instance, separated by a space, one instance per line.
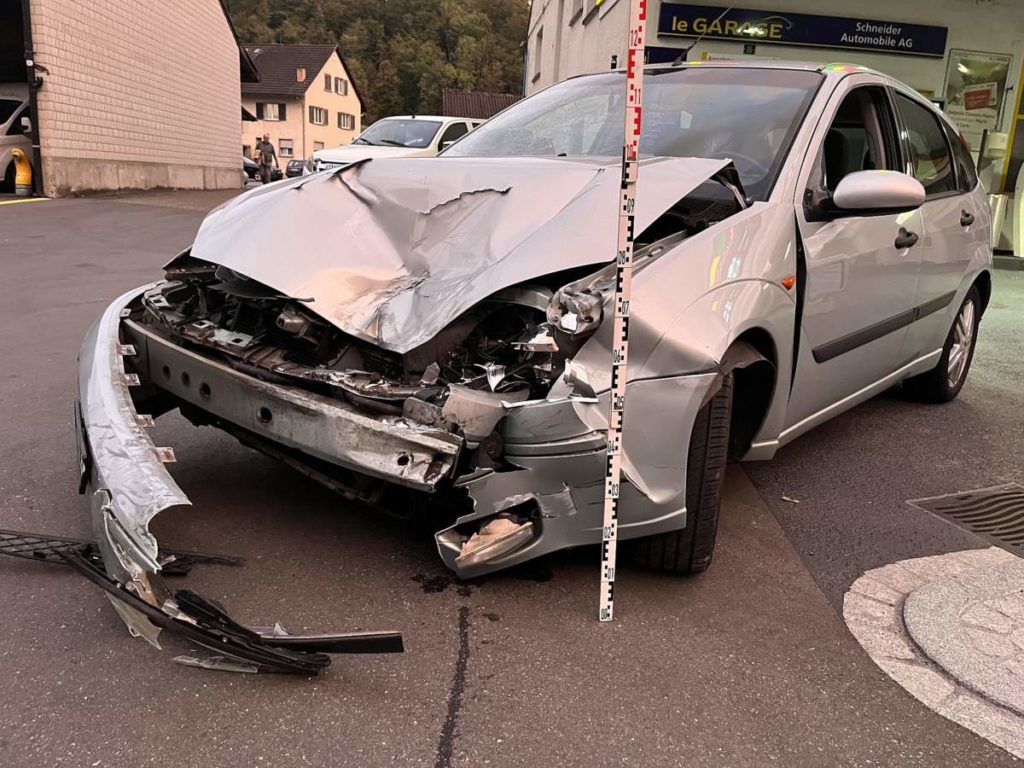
x=346 y=121
x=341 y=86
x=318 y=116
x=246 y=151
x=537 y=48
x=327 y=83
x=286 y=148
x=317 y=145
x=275 y=112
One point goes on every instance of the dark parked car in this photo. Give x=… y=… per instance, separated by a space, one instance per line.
x=252 y=170
x=294 y=168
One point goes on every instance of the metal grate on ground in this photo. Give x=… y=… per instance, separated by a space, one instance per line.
x=996 y=514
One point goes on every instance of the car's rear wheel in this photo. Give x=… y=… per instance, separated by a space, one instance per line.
x=944 y=382
x=690 y=550
x=7 y=184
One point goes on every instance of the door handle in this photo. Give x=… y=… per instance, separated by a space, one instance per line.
x=905 y=239
x=966 y=218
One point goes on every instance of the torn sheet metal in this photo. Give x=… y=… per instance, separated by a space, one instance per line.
x=654 y=461
x=393 y=251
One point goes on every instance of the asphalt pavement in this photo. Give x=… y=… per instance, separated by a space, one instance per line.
x=749 y=664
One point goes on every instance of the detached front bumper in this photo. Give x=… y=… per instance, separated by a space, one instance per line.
x=123 y=472
x=124 y=476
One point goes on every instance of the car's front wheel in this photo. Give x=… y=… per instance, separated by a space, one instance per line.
x=944 y=382
x=690 y=550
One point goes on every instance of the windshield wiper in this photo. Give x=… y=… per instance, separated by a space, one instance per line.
x=393 y=143
x=358 y=139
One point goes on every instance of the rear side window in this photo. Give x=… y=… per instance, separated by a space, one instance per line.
x=966 y=171
x=7 y=108
x=930 y=160
x=453 y=132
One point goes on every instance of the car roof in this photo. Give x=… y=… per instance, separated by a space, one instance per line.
x=836 y=68
x=425 y=117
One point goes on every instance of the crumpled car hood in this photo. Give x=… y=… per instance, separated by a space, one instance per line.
x=392 y=251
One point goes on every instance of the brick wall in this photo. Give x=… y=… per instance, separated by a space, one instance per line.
x=140 y=93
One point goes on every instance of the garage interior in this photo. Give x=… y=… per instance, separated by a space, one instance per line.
x=12 y=73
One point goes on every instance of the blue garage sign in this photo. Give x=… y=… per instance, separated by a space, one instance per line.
x=805 y=29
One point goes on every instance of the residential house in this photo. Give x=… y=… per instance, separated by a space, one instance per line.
x=305 y=100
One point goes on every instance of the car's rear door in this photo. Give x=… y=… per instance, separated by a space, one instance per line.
x=861 y=270
x=953 y=224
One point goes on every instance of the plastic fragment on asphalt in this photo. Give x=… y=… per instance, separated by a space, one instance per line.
x=218 y=663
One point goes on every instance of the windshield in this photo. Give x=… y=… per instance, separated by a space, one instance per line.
x=7 y=109
x=393 y=132
x=745 y=114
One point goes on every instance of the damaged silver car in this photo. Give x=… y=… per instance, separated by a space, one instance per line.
x=432 y=335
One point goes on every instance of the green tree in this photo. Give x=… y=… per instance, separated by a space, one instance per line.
x=402 y=53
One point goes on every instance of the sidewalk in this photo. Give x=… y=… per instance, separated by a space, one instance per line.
x=950 y=629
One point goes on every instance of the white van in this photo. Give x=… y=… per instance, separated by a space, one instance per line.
x=15 y=129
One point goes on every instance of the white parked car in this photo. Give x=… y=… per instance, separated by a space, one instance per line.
x=14 y=131
x=399 y=136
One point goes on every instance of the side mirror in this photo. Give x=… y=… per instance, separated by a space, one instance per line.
x=26 y=125
x=877 y=192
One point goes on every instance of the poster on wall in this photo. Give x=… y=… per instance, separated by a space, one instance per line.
x=975 y=89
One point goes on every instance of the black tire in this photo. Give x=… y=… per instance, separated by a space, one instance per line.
x=936 y=386
x=690 y=550
x=7 y=185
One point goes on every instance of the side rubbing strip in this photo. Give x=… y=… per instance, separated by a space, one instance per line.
x=850 y=342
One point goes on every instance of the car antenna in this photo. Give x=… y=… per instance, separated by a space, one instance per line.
x=686 y=51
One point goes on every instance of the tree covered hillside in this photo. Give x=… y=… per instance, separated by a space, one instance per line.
x=402 y=53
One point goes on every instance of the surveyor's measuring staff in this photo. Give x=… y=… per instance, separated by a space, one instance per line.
x=623 y=289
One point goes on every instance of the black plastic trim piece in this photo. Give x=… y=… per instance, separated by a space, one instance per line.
x=215 y=630
x=850 y=342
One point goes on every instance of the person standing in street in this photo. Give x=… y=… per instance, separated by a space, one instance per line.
x=266 y=156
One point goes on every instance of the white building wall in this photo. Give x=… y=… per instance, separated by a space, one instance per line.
x=589 y=41
x=138 y=94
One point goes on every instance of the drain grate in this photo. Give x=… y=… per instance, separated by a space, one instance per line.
x=996 y=514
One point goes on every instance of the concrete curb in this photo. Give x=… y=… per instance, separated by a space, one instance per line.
x=944 y=598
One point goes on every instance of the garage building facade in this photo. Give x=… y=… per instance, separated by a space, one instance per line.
x=134 y=95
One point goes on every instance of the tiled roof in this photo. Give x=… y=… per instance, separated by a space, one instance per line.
x=475 y=104
x=277 y=65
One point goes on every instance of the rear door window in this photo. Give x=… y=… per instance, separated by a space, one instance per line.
x=931 y=161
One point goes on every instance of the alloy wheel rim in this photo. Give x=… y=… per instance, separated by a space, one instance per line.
x=963 y=340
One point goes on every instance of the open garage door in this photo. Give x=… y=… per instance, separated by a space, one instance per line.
x=17 y=108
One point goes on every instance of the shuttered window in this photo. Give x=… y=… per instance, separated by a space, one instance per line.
x=271 y=111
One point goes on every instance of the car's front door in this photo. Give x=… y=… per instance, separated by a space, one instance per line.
x=952 y=223
x=861 y=271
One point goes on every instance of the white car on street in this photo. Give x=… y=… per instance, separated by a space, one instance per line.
x=15 y=128
x=399 y=136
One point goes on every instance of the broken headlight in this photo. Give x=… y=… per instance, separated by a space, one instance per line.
x=576 y=311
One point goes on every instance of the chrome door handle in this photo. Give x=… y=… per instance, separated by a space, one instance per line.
x=905 y=239
x=966 y=218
